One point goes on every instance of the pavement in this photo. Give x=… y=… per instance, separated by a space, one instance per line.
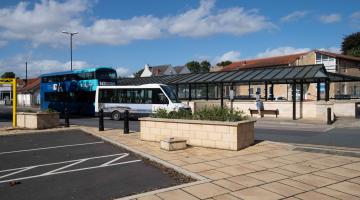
x=72 y=164
x=266 y=170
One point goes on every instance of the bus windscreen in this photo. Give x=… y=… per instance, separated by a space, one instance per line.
x=170 y=94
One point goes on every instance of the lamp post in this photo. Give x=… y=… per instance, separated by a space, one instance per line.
x=71 y=35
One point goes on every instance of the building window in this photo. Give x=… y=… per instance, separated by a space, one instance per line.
x=251 y=91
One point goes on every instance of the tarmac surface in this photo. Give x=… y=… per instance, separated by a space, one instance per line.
x=72 y=165
x=270 y=130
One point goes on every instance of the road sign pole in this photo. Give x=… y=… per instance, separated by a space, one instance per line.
x=14 y=102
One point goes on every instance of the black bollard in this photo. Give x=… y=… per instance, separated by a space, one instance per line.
x=66 y=113
x=126 y=122
x=329 y=116
x=101 y=120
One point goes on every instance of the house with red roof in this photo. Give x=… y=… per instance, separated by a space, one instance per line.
x=28 y=94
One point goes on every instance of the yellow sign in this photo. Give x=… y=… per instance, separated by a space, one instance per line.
x=12 y=82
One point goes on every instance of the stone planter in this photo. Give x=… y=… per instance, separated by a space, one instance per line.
x=37 y=120
x=213 y=134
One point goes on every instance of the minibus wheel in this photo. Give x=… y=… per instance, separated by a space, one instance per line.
x=115 y=115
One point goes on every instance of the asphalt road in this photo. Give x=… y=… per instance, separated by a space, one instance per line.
x=72 y=165
x=313 y=135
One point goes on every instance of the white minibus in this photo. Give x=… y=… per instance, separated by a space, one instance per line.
x=140 y=100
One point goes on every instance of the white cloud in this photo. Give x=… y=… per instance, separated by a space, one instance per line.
x=230 y=55
x=16 y=64
x=294 y=16
x=122 y=71
x=3 y=43
x=287 y=50
x=203 y=21
x=331 y=49
x=355 y=19
x=355 y=15
x=43 y=22
x=331 y=18
x=281 y=51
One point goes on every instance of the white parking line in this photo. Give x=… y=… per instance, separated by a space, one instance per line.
x=53 y=147
x=58 y=170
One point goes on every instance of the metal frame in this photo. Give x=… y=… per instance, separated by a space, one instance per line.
x=292 y=75
x=273 y=75
x=12 y=82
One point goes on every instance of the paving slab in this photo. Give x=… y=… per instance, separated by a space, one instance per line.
x=256 y=193
x=206 y=190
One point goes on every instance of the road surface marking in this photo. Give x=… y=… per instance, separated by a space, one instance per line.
x=73 y=163
x=54 y=147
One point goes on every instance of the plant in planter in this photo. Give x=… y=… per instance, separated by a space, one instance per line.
x=212 y=113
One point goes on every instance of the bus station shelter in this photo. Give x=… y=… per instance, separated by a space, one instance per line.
x=296 y=76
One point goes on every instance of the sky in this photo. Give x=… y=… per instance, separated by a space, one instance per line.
x=128 y=34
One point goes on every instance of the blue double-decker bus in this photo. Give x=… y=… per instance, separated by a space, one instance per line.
x=74 y=90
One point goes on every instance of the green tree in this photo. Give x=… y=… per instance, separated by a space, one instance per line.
x=8 y=75
x=351 y=45
x=196 y=67
x=205 y=66
x=193 y=66
x=224 y=63
x=138 y=73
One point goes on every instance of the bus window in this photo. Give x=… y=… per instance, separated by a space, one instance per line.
x=135 y=96
x=121 y=94
x=86 y=76
x=148 y=96
x=107 y=96
x=159 y=97
x=105 y=74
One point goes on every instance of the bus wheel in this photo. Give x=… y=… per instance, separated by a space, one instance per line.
x=116 y=115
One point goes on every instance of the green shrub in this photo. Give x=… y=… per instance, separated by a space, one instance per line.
x=207 y=113
x=219 y=114
x=181 y=114
x=50 y=110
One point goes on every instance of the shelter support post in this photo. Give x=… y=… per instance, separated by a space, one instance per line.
x=327 y=90
x=272 y=91
x=249 y=90
x=294 y=100
x=266 y=91
x=318 y=91
x=189 y=98
x=222 y=94
x=177 y=89
x=207 y=91
x=301 y=91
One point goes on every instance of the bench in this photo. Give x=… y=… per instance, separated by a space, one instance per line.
x=267 y=112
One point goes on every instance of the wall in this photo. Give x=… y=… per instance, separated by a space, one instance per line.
x=343 y=108
x=213 y=134
x=313 y=110
x=306 y=59
x=24 y=99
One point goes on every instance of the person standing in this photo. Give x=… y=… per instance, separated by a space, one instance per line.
x=259 y=104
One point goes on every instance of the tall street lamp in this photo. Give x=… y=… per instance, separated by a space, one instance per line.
x=71 y=35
